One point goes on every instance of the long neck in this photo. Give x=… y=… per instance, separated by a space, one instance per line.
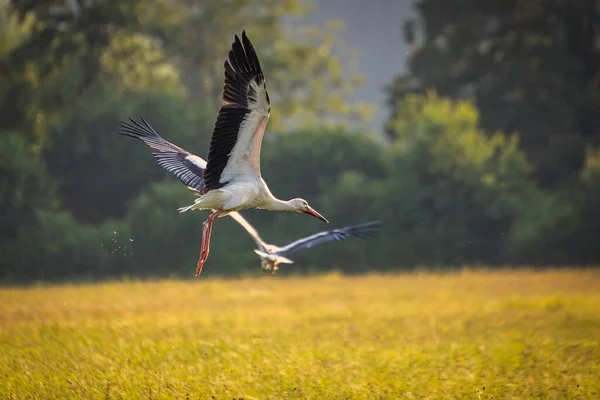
x=271 y=202
x=274 y=204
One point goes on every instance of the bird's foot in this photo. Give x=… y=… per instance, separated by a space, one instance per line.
x=270 y=268
x=200 y=264
x=267 y=267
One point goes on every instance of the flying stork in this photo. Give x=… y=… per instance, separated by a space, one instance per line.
x=271 y=256
x=231 y=179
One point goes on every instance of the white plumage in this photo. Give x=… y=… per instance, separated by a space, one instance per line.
x=230 y=180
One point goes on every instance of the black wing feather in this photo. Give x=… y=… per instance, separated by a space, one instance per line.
x=169 y=156
x=241 y=69
x=362 y=231
x=222 y=143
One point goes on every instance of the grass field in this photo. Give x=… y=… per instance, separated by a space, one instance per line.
x=468 y=335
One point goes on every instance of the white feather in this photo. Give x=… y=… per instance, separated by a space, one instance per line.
x=244 y=159
x=194 y=159
x=273 y=257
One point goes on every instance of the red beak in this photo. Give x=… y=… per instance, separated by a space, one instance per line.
x=311 y=211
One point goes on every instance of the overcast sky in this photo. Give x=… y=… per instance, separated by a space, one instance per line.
x=374 y=28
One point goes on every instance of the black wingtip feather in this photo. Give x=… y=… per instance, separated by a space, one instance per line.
x=135 y=130
x=243 y=75
x=169 y=156
x=363 y=231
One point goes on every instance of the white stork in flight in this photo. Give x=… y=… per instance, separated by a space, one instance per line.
x=231 y=179
x=271 y=256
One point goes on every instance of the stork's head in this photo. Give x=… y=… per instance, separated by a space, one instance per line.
x=301 y=205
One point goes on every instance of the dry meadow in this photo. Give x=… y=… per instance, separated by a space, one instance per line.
x=465 y=335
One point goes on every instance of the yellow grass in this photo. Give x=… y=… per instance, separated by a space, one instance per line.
x=469 y=335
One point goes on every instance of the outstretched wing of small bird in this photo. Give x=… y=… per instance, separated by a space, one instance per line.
x=362 y=231
x=250 y=229
x=187 y=167
x=237 y=136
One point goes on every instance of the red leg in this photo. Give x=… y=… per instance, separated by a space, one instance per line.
x=205 y=247
x=202 y=258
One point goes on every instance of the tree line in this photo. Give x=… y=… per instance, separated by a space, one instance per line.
x=491 y=155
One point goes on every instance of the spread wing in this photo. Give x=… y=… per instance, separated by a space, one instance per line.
x=187 y=167
x=250 y=229
x=237 y=136
x=362 y=231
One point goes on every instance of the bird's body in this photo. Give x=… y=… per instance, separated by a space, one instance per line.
x=271 y=256
x=230 y=180
x=247 y=192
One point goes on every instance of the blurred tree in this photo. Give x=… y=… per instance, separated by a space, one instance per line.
x=307 y=83
x=24 y=187
x=584 y=243
x=100 y=172
x=453 y=193
x=447 y=194
x=78 y=200
x=58 y=56
x=164 y=241
x=574 y=241
x=462 y=186
x=96 y=69
x=58 y=247
x=103 y=61
x=356 y=197
x=309 y=161
x=533 y=67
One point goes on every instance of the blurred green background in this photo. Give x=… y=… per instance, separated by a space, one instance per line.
x=488 y=153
